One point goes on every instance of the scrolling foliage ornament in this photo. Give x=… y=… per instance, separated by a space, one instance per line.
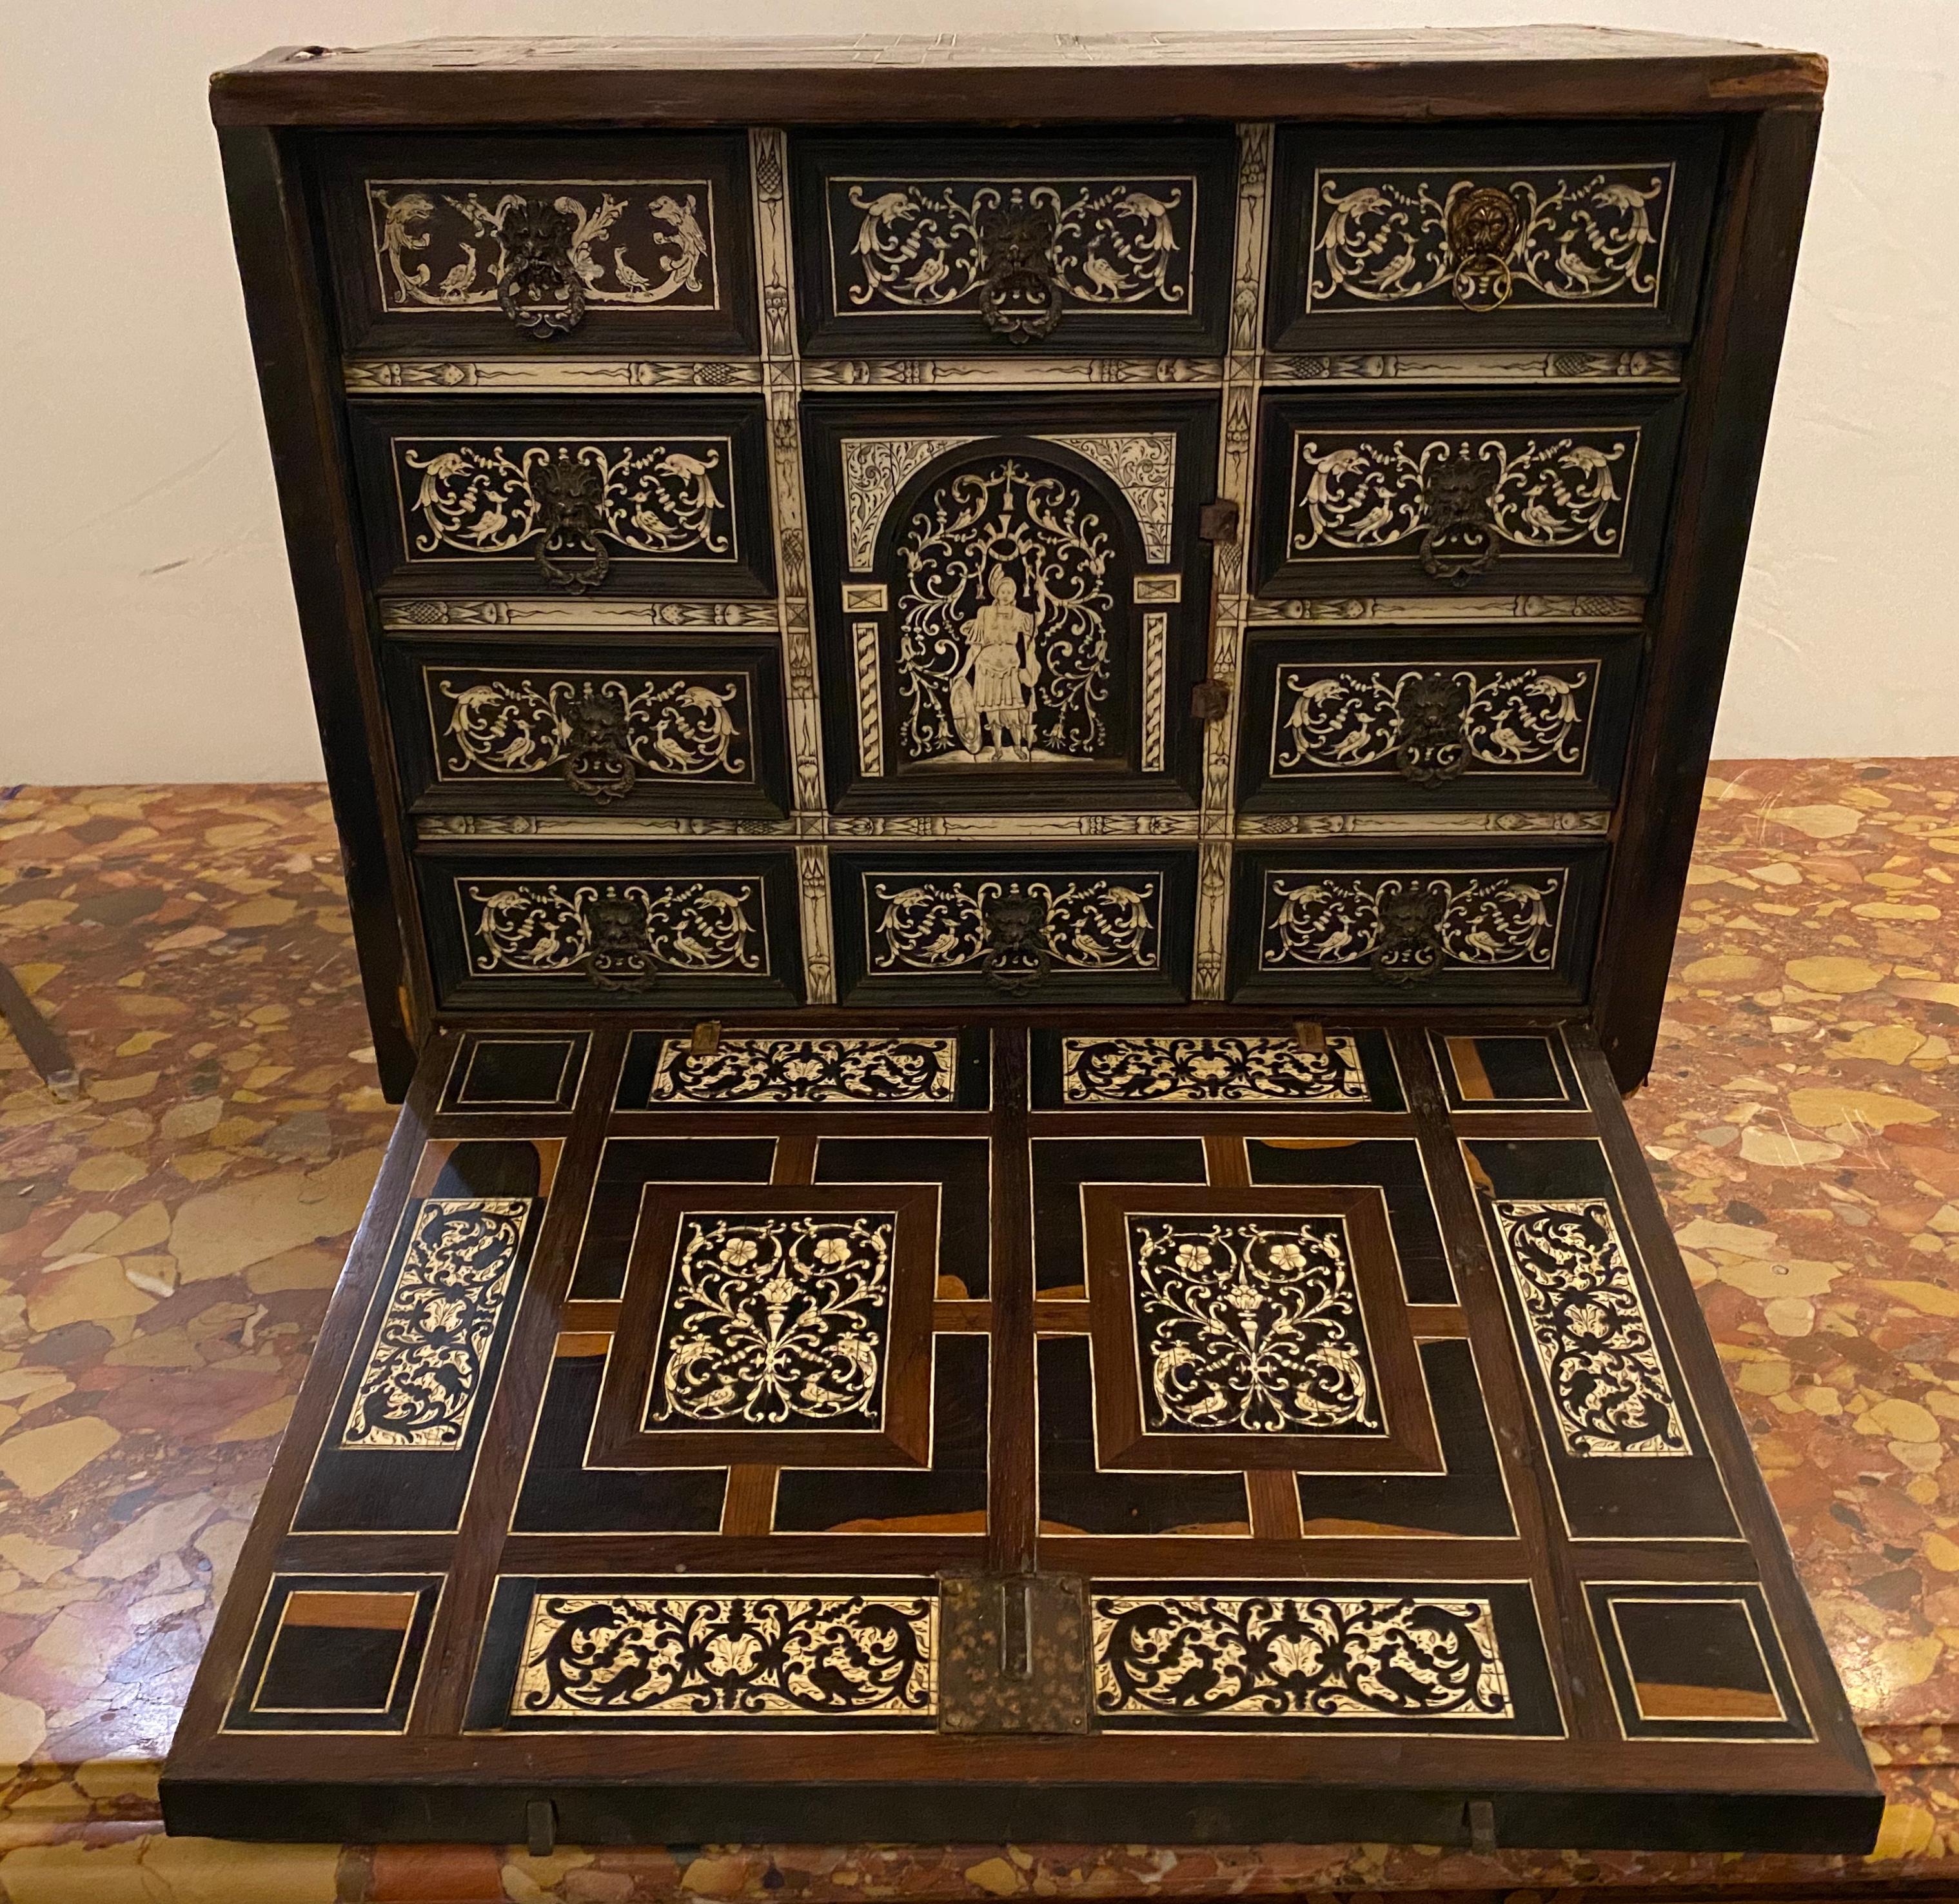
x=1433 y=723
x=775 y=1322
x=567 y=503
x=771 y=1069
x=1588 y=1326
x=1003 y=618
x=1210 y=1070
x=1403 y=927
x=619 y=933
x=1456 y=501
x=1245 y=1327
x=598 y=733
x=1298 y=1656
x=1013 y=930
x=699 y=1659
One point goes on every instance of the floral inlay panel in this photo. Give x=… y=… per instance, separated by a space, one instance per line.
x=1362 y=493
x=1210 y=1070
x=789 y=1069
x=1285 y=1654
x=775 y=1322
x=639 y=244
x=615 y=932
x=643 y=499
x=941 y=922
x=1403 y=926
x=1250 y=1326
x=720 y=1659
x=1431 y=723
x=1589 y=1330
x=1404 y=238
x=920 y=247
x=419 y=1386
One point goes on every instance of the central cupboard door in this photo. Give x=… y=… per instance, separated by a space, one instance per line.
x=1011 y=593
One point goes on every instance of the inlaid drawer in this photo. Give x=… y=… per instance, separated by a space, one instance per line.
x=1062 y=244
x=1423 y=495
x=526 y=728
x=1446 y=720
x=1513 y=235
x=1012 y=926
x=1417 y=925
x=518 y=246
x=1014 y=588
x=584 y=930
x=631 y=496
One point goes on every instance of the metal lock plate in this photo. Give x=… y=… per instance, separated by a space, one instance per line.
x=1013 y=1653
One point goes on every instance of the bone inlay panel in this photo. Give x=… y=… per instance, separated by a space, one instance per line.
x=1404 y=925
x=791 y=1069
x=424 y=1373
x=616 y=929
x=1210 y=1070
x=1250 y=1326
x=1589 y=1329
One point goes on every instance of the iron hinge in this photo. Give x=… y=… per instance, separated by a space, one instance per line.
x=1218 y=521
x=1013 y=1653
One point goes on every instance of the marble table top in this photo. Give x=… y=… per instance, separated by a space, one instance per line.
x=167 y=1242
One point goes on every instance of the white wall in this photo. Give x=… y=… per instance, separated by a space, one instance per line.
x=146 y=629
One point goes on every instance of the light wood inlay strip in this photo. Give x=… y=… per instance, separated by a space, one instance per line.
x=750 y=1505
x=1274 y=1495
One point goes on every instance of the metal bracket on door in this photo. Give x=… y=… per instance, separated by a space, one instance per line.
x=1013 y=1653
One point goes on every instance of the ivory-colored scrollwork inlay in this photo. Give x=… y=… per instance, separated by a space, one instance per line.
x=775 y=1322
x=1250 y=1326
x=424 y=1374
x=768 y=1069
x=484 y=499
x=1156 y=653
x=691 y=1660
x=1594 y=1341
x=1003 y=373
x=1421 y=820
x=1401 y=238
x=922 y=246
x=618 y=933
x=870 y=686
x=937 y=923
x=1430 y=723
x=599 y=731
x=1402 y=926
x=1560 y=366
x=1249 y=1070
x=401 y=614
x=1002 y=653
x=1281 y=1653
x=466 y=230
x=567 y=375
x=1413 y=609
x=874 y=469
x=1145 y=469
x=1360 y=493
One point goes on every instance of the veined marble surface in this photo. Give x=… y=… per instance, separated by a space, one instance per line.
x=167 y=1243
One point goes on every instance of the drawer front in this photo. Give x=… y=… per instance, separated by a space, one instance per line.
x=1516 y=235
x=1014 y=588
x=1057 y=245
x=529 y=729
x=1416 y=927
x=580 y=930
x=1421 y=496
x=515 y=247
x=631 y=497
x=1011 y=927
x=1444 y=721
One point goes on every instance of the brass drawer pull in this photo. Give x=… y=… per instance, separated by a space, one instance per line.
x=1461 y=538
x=568 y=496
x=1014 y=929
x=597 y=760
x=620 y=958
x=1483 y=226
x=1408 y=945
x=540 y=289
x=1020 y=295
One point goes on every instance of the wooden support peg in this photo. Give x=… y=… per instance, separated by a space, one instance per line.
x=1308 y=1035
x=707 y=1039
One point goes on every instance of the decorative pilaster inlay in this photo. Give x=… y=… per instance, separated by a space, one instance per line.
x=1167 y=587
x=425 y=1371
x=1250 y=1070
x=1559 y=366
x=1331 y=826
x=599 y=826
x=620 y=933
x=1143 y=466
x=1284 y=1651
x=1156 y=650
x=866 y=598
x=1401 y=609
x=1249 y=1325
x=1022 y=826
x=937 y=923
x=560 y=376
x=1589 y=1331
x=1007 y=373
x=694 y=1660
x=1236 y=461
x=764 y=1068
x=408 y=614
x=870 y=699
x=775 y=1322
x=1409 y=925
x=775 y=277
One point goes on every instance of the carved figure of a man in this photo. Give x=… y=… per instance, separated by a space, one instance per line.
x=1001 y=667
